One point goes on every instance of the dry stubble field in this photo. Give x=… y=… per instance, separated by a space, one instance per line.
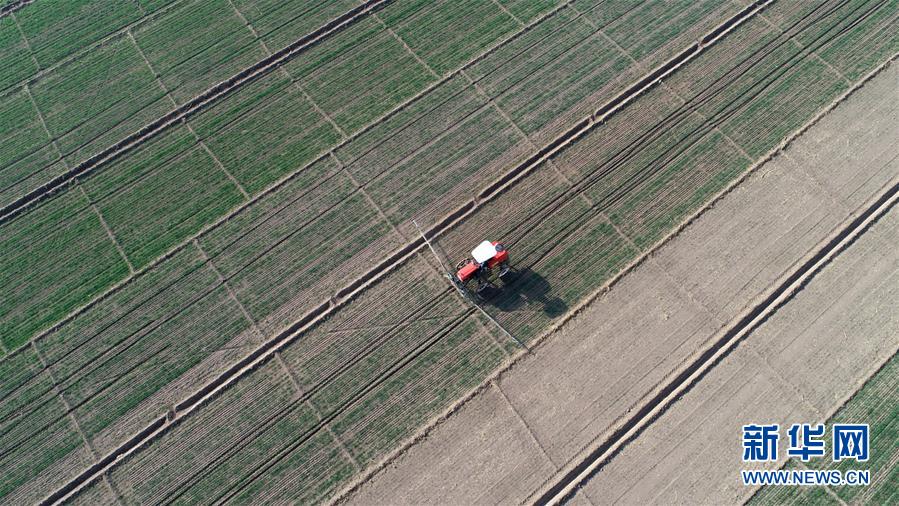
x=167 y=268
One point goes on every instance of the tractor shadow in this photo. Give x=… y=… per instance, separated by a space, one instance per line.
x=526 y=287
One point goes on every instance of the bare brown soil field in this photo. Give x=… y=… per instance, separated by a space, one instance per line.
x=620 y=346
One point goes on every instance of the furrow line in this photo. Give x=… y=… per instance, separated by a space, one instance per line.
x=281 y=339
x=188 y=109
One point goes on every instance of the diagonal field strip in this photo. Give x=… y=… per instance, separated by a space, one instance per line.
x=565 y=483
x=288 y=177
x=188 y=109
x=286 y=336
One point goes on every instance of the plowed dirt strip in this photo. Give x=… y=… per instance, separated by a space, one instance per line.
x=486 y=226
x=417 y=330
x=638 y=316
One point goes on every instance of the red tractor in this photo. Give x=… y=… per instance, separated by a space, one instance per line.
x=489 y=262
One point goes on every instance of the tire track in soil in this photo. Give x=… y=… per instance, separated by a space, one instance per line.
x=567 y=482
x=575 y=227
x=188 y=109
x=389 y=371
x=344 y=295
x=662 y=128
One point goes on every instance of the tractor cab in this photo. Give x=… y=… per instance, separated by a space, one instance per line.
x=489 y=261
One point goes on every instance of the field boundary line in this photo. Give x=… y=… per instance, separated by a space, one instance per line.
x=188 y=109
x=408 y=49
x=284 y=71
x=291 y=377
x=308 y=402
x=343 y=495
x=802 y=47
x=524 y=423
x=287 y=335
x=37 y=64
x=509 y=13
x=827 y=488
x=107 y=229
x=93 y=206
x=65 y=403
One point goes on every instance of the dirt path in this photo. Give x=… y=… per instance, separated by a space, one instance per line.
x=624 y=344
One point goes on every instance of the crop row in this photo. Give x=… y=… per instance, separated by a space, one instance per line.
x=60 y=32
x=563 y=260
x=114 y=390
x=222 y=125
x=52 y=31
x=593 y=245
x=357 y=391
x=225 y=128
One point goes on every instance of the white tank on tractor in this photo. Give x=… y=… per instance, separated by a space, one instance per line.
x=489 y=261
